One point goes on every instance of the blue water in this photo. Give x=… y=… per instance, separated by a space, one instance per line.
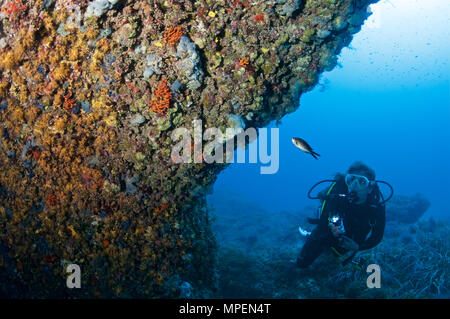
x=387 y=105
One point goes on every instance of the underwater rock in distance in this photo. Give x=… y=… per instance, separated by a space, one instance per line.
x=406 y=209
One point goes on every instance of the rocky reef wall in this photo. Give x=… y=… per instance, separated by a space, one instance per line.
x=90 y=92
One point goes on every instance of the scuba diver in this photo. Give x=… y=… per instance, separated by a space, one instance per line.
x=351 y=217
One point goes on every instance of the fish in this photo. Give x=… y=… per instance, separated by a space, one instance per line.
x=304 y=146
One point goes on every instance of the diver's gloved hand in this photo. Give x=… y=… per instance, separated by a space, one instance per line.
x=336 y=225
x=348 y=243
x=337 y=230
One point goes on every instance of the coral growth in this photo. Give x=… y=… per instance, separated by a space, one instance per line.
x=13 y=6
x=243 y=62
x=161 y=98
x=69 y=103
x=173 y=35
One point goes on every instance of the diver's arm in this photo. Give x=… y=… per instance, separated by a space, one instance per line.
x=377 y=230
x=334 y=204
x=330 y=206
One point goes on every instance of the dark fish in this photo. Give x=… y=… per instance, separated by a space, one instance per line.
x=302 y=145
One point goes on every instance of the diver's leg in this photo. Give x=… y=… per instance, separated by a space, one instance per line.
x=313 y=247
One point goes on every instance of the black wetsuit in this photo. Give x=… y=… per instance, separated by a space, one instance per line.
x=363 y=223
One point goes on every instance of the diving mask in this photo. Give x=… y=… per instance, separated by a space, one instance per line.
x=357 y=183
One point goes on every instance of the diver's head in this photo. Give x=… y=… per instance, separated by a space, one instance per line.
x=360 y=180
